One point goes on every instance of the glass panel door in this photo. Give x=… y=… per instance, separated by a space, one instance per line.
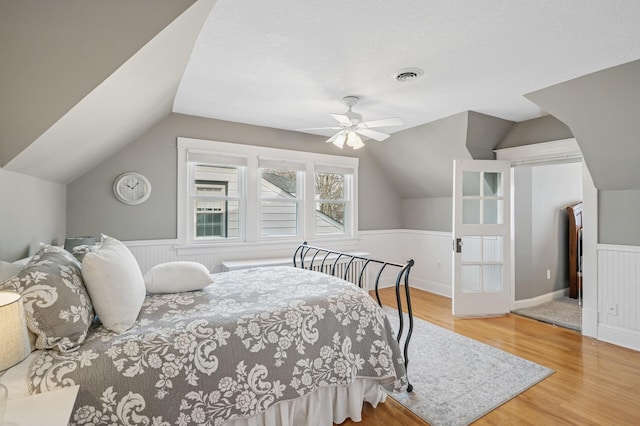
x=481 y=230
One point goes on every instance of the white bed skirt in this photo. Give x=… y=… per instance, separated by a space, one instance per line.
x=325 y=406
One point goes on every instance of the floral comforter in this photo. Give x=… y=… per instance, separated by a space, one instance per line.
x=251 y=339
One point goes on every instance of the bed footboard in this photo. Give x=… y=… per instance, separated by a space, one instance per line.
x=353 y=265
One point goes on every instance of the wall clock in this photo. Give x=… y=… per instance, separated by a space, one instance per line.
x=132 y=188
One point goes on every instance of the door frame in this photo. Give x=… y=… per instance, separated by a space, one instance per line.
x=567 y=150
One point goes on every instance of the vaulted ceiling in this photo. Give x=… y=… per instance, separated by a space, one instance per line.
x=86 y=77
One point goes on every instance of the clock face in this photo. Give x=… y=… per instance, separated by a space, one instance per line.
x=132 y=188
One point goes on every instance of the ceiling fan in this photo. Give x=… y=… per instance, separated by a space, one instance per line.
x=350 y=126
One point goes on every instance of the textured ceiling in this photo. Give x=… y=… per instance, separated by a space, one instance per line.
x=288 y=64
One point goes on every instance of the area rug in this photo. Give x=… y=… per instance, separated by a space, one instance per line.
x=457 y=380
x=564 y=312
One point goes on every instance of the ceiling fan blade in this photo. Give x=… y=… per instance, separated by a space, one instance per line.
x=319 y=128
x=373 y=134
x=342 y=119
x=391 y=121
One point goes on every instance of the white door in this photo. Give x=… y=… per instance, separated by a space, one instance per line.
x=481 y=238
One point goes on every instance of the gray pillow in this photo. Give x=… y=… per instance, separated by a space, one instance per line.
x=57 y=306
x=79 y=251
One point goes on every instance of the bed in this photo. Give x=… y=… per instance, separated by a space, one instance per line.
x=275 y=345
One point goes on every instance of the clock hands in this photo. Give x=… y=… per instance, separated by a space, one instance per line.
x=132 y=187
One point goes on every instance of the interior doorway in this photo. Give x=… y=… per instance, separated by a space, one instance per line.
x=543 y=240
x=546 y=179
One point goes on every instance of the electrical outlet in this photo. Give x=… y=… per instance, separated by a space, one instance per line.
x=548 y=274
x=612 y=309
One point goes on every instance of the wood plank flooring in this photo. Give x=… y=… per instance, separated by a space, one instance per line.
x=594 y=383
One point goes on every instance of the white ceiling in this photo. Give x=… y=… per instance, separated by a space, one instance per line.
x=287 y=64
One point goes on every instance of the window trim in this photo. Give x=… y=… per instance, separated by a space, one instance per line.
x=250 y=155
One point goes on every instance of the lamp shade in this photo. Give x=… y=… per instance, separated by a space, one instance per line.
x=71 y=242
x=13 y=330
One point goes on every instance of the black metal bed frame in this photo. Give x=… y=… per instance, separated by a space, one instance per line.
x=301 y=259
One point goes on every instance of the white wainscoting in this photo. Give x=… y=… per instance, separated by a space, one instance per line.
x=618 y=269
x=619 y=295
x=431 y=252
x=153 y=252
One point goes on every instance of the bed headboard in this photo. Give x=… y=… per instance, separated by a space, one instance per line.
x=574 y=213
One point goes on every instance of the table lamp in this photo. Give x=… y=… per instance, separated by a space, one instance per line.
x=13 y=330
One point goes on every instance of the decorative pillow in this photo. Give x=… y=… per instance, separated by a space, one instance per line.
x=174 y=277
x=79 y=251
x=115 y=284
x=8 y=270
x=58 y=309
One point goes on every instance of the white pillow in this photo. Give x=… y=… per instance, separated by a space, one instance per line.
x=8 y=270
x=22 y=262
x=174 y=277
x=114 y=281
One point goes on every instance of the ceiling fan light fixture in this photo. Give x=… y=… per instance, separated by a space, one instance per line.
x=354 y=141
x=406 y=75
x=338 y=139
x=350 y=126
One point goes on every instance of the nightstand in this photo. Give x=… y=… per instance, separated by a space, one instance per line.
x=51 y=408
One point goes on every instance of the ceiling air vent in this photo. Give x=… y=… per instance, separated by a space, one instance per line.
x=406 y=75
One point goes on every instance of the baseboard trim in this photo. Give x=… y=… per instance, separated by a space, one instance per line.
x=425 y=285
x=432 y=287
x=526 y=303
x=619 y=336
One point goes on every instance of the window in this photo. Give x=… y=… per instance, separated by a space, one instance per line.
x=216 y=193
x=245 y=193
x=211 y=208
x=330 y=202
x=280 y=200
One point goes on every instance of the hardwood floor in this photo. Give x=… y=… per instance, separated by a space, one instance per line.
x=594 y=383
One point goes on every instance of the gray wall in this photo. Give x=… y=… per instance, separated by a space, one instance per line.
x=601 y=109
x=92 y=207
x=419 y=161
x=484 y=133
x=618 y=217
x=428 y=214
x=55 y=53
x=523 y=233
x=543 y=129
x=32 y=211
x=541 y=194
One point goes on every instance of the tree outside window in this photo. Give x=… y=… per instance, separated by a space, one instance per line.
x=330 y=201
